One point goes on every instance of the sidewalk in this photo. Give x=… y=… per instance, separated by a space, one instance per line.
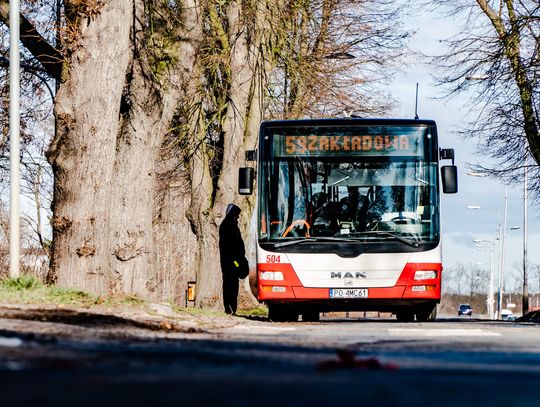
x=152 y=320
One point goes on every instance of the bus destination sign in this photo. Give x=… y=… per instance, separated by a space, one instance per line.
x=341 y=144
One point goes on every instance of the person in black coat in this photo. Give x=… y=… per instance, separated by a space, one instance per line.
x=231 y=254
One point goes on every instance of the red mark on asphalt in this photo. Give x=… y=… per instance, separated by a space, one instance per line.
x=347 y=360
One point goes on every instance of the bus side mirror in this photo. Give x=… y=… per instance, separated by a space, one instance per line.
x=245 y=180
x=449 y=179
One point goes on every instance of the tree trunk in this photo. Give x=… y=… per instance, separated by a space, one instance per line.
x=201 y=216
x=132 y=244
x=511 y=41
x=175 y=238
x=82 y=153
x=176 y=243
x=133 y=260
x=240 y=129
x=118 y=169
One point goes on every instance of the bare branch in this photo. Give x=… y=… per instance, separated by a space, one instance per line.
x=48 y=56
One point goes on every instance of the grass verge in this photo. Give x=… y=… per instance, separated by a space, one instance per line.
x=29 y=290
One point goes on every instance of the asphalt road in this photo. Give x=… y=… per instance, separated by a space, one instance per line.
x=450 y=362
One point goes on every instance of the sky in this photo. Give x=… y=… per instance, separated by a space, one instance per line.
x=461 y=225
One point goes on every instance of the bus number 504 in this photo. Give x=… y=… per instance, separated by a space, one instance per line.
x=273 y=259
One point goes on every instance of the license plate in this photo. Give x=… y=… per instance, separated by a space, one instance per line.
x=348 y=293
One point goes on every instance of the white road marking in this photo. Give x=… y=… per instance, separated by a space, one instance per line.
x=272 y=330
x=10 y=342
x=440 y=332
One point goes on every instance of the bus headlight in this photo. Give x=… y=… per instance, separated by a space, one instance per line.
x=271 y=275
x=425 y=275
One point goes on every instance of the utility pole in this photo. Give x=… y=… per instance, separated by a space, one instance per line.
x=525 y=299
x=491 y=282
x=14 y=139
x=501 y=257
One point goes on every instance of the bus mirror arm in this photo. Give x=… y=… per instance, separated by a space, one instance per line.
x=446 y=154
x=251 y=155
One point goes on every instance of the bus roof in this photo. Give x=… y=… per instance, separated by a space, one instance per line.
x=347 y=122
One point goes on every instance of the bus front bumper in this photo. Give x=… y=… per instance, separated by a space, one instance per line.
x=407 y=288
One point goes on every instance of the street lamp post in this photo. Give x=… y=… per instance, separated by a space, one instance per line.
x=501 y=238
x=479 y=244
x=14 y=139
x=15 y=66
x=501 y=269
x=525 y=298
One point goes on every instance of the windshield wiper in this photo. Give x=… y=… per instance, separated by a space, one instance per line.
x=401 y=239
x=315 y=239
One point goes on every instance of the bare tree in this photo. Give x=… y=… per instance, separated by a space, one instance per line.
x=333 y=55
x=497 y=55
x=36 y=126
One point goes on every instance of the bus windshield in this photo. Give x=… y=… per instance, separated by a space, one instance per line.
x=371 y=184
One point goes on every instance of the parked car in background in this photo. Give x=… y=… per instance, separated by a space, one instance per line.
x=506 y=315
x=464 y=309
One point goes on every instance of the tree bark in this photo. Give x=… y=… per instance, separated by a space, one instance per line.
x=176 y=243
x=83 y=150
x=240 y=129
x=153 y=104
x=118 y=226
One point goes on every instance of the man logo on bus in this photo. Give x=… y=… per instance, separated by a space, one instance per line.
x=348 y=274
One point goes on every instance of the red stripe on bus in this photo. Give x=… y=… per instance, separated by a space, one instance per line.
x=402 y=290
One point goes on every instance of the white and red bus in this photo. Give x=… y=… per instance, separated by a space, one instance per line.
x=349 y=217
